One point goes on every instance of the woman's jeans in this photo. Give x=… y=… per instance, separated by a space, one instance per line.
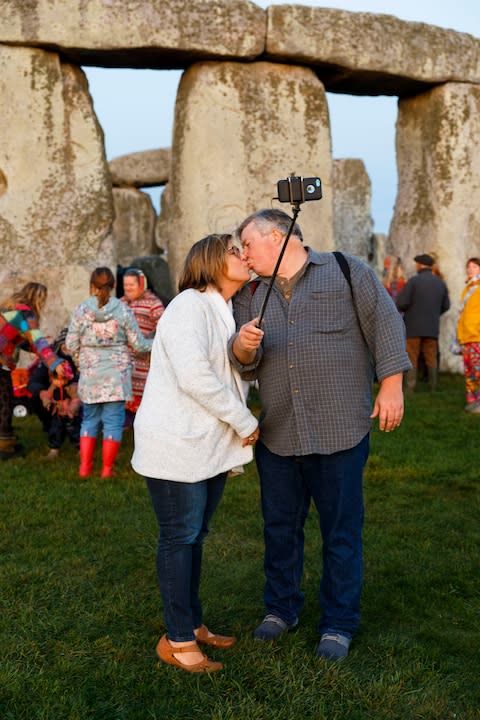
x=183 y=511
x=334 y=482
x=109 y=414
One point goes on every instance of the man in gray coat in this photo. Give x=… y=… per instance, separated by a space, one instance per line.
x=423 y=299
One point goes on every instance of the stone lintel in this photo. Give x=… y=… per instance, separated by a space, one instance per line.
x=162 y=34
x=148 y=168
x=370 y=54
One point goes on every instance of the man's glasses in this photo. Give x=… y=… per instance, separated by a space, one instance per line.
x=234 y=250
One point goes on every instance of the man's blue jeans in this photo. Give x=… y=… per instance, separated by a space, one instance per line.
x=183 y=511
x=334 y=482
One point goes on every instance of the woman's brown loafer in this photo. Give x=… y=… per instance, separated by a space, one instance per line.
x=216 y=641
x=167 y=653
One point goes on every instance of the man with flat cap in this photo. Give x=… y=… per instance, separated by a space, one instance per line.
x=423 y=299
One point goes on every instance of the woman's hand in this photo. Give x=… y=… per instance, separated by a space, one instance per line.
x=251 y=439
x=63 y=370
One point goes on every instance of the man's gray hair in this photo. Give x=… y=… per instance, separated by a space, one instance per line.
x=268 y=219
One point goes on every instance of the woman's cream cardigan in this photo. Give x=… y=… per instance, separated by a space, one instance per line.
x=193 y=414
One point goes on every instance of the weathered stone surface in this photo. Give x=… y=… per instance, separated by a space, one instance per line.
x=142 y=169
x=438 y=203
x=239 y=128
x=161 y=227
x=134 y=224
x=352 y=197
x=132 y=33
x=370 y=54
x=56 y=205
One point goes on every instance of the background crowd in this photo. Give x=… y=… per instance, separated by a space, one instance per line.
x=188 y=405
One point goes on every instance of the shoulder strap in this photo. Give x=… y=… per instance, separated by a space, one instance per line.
x=345 y=268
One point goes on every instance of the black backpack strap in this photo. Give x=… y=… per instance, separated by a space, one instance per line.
x=345 y=268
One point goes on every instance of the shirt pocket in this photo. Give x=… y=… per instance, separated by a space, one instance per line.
x=328 y=312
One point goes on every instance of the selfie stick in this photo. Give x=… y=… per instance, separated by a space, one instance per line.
x=296 y=210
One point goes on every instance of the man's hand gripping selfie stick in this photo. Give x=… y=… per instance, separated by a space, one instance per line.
x=296 y=210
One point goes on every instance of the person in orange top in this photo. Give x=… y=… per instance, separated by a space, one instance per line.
x=468 y=335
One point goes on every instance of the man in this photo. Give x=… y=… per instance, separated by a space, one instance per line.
x=315 y=370
x=423 y=299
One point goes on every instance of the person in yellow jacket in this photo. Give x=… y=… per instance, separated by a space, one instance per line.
x=468 y=334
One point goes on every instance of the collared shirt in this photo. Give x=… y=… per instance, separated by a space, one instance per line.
x=315 y=370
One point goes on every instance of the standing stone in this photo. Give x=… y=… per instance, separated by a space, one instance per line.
x=438 y=202
x=352 y=197
x=134 y=224
x=55 y=197
x=239 y=128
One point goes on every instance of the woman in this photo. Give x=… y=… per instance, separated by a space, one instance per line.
x=468 y=335
x=393 y=276
x=148 y=309
x=192 y=427
x=100 y=332
x=19 y=321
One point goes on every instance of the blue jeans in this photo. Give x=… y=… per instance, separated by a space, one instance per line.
x=110 y=414
x=183 y=511
x=334 y=482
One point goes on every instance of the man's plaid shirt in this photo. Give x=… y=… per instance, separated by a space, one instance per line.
x=314 y=369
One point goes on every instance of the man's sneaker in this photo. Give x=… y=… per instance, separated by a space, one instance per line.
x=272 y=627
x=333 y=646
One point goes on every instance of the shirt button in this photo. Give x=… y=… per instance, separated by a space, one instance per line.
x=296 y=390
x=291 y=366
x=291 y=322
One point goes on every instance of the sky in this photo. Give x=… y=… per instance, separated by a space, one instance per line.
x=136 y=107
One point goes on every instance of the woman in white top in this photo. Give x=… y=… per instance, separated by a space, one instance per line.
x=191 y=428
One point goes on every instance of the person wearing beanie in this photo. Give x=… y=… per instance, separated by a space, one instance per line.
x=423 y=300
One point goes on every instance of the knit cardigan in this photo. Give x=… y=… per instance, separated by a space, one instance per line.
x=19 y=328
x=193 y=413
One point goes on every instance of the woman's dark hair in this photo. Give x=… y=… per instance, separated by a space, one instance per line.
x=473 y=260
x=103 y=282
x=205 y=263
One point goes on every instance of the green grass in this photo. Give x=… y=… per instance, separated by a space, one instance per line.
x=80 y=612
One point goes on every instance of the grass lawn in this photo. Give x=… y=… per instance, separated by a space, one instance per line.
x=80 y=612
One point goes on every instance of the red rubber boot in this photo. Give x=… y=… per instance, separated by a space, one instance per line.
x=109 y=455
x=87 y=450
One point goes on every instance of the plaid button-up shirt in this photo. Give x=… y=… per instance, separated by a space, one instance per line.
x=316 y=366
